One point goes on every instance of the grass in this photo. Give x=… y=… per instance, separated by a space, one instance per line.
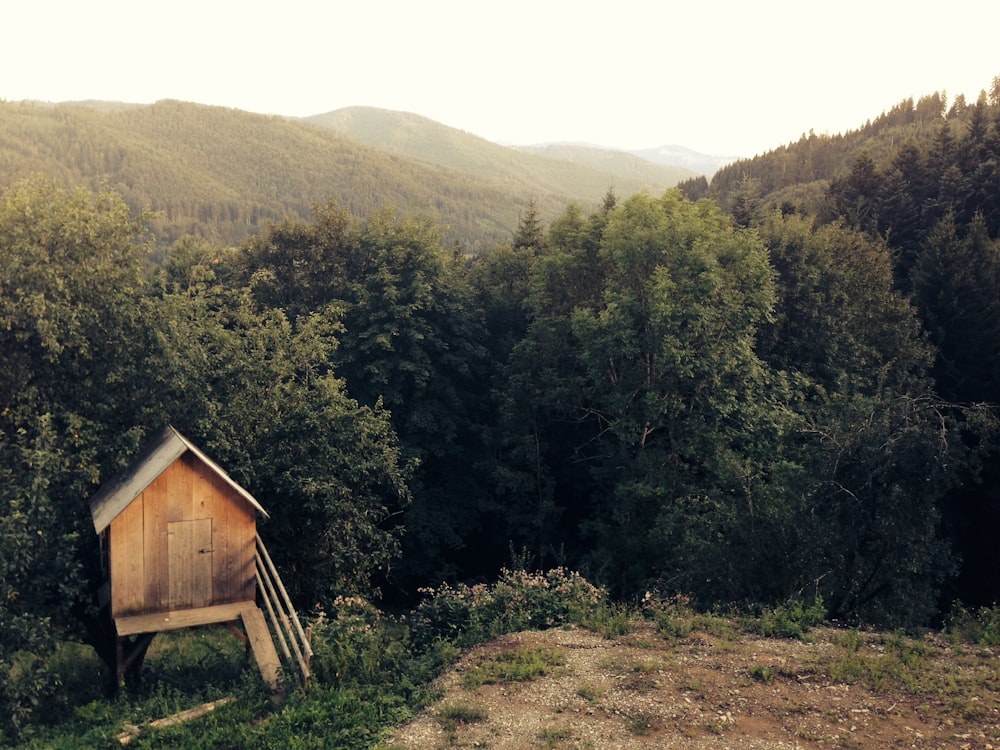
x=761 y=673
x=516 y=665
x=641 y=722
x=551 y=736
x=374 y=672
x=590 y=692
x=451 y=715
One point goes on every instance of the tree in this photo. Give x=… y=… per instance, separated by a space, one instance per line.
x=956 y=284
x=879 y=452
x=279 y=419
x=410 y=342
x=96 y=357
x=530 y=235
x=672 y=389
x=855 y=197
x=75 y=332
x=838 y=319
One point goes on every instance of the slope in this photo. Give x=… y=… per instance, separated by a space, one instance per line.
x=221 y=173
x=574 y=173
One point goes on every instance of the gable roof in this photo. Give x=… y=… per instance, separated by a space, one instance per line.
x=157 y=454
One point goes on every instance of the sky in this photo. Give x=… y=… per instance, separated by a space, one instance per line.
x=726 y=78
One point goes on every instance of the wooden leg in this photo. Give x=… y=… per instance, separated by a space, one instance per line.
x=120 y=663
x=130 y=667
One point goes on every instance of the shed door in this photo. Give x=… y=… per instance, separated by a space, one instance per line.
x=189 y=563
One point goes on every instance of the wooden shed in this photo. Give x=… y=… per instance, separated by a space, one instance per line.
x=180 y=549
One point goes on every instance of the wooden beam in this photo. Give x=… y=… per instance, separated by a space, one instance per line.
x=263 y=647
x=185 y=618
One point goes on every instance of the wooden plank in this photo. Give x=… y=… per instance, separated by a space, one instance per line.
x=180 y=564
x=155 y=534
x=127 y=563
x=204 y=553
x=180 y=478
x=262 y=646
x=161 y=622
x=225 y=579
x=244 y=522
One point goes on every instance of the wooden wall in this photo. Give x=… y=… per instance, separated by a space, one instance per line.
x=187 y=541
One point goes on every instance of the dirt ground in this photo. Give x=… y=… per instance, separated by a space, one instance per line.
x=643 y=690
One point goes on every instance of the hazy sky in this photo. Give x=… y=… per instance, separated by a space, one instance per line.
x=725 y=78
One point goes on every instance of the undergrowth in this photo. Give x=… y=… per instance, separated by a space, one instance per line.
x=373 y=671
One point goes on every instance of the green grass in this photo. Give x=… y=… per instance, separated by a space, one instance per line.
x=516 y=665
x=373 y=671
x=590 y=692
x=451 y=715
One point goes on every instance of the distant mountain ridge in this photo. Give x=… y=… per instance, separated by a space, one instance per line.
x=692 y=162
x=684 y=157
x=222 y=173
x=567 y=168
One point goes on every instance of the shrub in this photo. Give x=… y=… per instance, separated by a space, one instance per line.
x=793 y=619
x=519 y=600
x=360 y=646
x=981 y=627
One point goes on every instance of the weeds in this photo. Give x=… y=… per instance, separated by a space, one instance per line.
x=761 y=673
x=552 y=736
x=793 y=619
x=640 y=722
x=676 y=618
x=451 y=715
x=980 y=627
x=517 y=665
x=590 y=692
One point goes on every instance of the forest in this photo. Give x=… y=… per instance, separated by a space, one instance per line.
x=222 y=174
x=778 y=386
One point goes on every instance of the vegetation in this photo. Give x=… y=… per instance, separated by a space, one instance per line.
x=746 y=407
x=223 y=174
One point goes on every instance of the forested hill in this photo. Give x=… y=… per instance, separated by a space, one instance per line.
x=797 y=176
x=568 y=169
x=222 y=173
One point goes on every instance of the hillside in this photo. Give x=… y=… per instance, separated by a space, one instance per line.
x=222 y=173
x=621 y=163
x=798 y=174
x=561 y=170
x=711 y=689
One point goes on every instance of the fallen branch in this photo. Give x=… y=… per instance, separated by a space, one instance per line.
x=130 y=732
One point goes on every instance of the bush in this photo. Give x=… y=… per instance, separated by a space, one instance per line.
x=981 y=627
x=360 y=646
x=793 y=619
x=519 y=600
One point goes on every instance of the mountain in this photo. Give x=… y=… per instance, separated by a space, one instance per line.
x=222 y=173
x=548 y=169
x=684 y=157
x=614 y=161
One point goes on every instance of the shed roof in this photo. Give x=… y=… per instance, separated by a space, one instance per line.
x=160 y=452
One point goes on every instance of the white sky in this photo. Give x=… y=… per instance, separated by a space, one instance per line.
x=724 y=77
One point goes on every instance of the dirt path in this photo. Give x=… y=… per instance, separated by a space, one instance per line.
x=704 y=691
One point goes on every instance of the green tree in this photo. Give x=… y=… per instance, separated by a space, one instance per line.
x=838 y=320
x=530 y=235
x=956 y=284
x=279 y=419
x=678 y=399
x=75 y=332
x=878 y=452
x=410 y=341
